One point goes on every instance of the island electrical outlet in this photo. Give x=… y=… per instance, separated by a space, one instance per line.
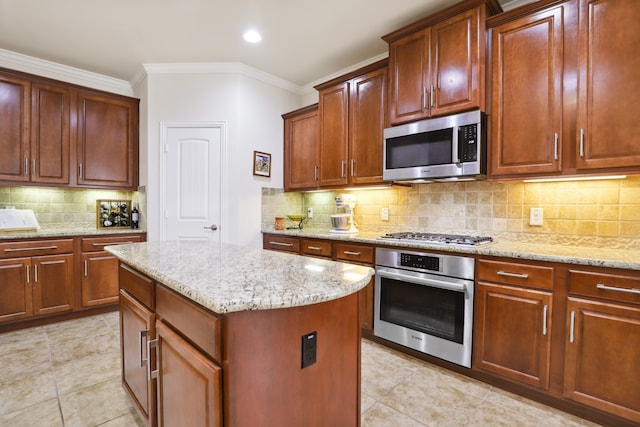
x=309 y=346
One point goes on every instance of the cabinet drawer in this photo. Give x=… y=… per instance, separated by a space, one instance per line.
x=615 y=287
x=35 y=248
x=90 y=244
x=137 y=284
x=281 y=243
x=317 y=248
x=355 y=253
x=512 y=273
x=202 y=328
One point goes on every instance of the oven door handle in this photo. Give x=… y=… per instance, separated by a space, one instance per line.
x=458 y=287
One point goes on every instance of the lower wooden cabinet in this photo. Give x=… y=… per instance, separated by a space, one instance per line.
x=512 y=333
x=601 y=357
x=99 y=285
x=189 y=384
x=137 y=328
x=36 y=285
x=512 y=328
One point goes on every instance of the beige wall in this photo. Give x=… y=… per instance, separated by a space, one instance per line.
x=57 y=207
x=596 y=212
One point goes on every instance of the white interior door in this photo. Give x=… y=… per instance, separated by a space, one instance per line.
x=192 y=181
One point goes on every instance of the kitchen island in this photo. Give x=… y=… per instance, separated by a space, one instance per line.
x=218 y=334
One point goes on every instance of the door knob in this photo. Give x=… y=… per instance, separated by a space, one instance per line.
x=213 y=227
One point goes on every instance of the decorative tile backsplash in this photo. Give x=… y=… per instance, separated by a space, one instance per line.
x=594 y=213
x=57 y=207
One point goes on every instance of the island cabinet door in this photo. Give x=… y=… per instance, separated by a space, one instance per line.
x=137 y=328
x=189 y=384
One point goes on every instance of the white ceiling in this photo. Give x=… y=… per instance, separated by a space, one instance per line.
x=303 y=40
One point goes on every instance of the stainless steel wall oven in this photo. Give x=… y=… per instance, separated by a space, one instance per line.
x=424 y=301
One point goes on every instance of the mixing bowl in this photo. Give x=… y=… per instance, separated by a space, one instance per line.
x=340 y=221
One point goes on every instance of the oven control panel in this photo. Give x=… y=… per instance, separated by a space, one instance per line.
x=422 y=262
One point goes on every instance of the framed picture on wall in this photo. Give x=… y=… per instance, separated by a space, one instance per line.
x=261 y=163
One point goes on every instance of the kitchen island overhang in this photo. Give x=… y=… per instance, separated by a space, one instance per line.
x=266 y=305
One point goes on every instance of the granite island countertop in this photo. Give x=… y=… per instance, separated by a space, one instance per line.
x=226 y=278
x=567 y=253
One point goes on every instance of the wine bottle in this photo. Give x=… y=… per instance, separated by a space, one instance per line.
x=134 y=217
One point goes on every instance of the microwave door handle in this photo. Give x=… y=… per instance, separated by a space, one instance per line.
x=458 y=287
x=455 y=146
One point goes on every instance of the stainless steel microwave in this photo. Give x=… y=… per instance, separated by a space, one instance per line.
x=451 y=148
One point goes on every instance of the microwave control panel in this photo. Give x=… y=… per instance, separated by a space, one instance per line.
x=468 y=141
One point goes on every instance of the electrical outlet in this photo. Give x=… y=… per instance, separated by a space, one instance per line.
x=535 y=216
x=309 y=213
x=384 y=214
x=309 y=347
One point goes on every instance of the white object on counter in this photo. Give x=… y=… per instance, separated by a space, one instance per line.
x=18 y=219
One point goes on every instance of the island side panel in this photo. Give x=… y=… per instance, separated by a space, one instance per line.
x=264 y=383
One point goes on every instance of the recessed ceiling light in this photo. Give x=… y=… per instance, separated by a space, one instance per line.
x=252 y=36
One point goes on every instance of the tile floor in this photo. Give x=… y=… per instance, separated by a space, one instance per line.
x=68 y=374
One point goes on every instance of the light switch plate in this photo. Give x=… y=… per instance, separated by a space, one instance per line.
x=535 y=216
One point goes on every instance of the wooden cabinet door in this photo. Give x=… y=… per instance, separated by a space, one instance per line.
x=601 y=356
x=52 y=284
x=527 y=66
x=137 y=326
x=608 y=84
x=15 y=289
x=14 y=128
x=367 y=109
x=50 y=134
x=455 y=64
x=409 y=77
x=512 y=333
x=334 y=132
x=301 y=149
x=189 y=385
x=99 y=279
x=107 y=141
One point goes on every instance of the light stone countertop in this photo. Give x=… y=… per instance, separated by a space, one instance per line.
x=579 y=255
x=225 y=278
x=46 y=232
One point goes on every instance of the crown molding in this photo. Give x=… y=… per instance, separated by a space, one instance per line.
x=309 y=88
x=216 y=68
x=53 y=70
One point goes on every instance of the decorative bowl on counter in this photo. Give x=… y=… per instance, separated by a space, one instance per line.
x=300 y=219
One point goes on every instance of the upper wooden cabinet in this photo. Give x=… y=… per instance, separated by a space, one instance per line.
x=301 y=149
x=608 y=84
x=564 y=80
x=352 y=118
x=526 y=76
x=53 y=133
x=436 y=65
x=107 y=141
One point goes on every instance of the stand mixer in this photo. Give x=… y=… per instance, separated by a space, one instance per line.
x=348 y=203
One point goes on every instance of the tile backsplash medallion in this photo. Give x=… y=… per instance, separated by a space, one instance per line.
x=62 y=208
x=599 y=213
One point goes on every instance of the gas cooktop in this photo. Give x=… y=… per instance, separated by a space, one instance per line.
x=443 y=239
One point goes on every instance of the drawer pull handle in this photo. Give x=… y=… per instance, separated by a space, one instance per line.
x=314 y=248
x=518 y=275
x=289 y=245
x=614 y=288
x=352 y=253
x=41 y=248
x=112 y=243
x=544 y=319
